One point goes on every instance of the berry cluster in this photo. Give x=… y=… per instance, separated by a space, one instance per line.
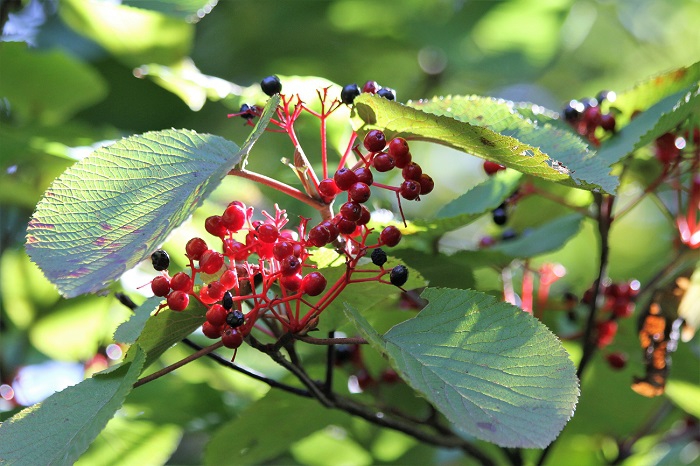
x=618 y=303
x=263 y=270
x=350 y=91
x=586 y=116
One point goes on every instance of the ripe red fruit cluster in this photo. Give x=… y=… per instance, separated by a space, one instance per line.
x=586 y=116
x=618 y=301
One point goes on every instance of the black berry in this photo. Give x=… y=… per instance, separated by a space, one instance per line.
x=572 y=111
x=387 y=92
x=398 y=275
x=227 y=301
x=235 y=319
x=378 y=257
x=246 y=112
x=348 y=94
x=160 y=260
x=271 y=85
x=508 y=234
x=499 y=216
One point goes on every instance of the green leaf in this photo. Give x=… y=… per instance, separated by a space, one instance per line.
x=72 y=87
x=549 y=237
x=133 y=35
x=267 y=428
x=167 y=328
x=189 y=10
x=661 y=118
x=490 y=129
x=327 y=448
x=109 y=211
x=438 y=269
x=129 y=331
x=647 y=93
x=474 y=203
x=684 y=395
x=60 y=429
x=494 y=371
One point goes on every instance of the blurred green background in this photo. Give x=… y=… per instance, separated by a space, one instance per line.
x=74 y=74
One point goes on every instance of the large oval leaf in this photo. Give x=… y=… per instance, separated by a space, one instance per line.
x=109 y=211
x=494 y=371
x=492 y=129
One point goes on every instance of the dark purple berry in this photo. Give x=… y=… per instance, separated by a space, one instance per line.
x=378 y=257
x=235 y=319
x=271 y=85
x=160 y=260
x=387 y=92
x=398 y=275
x=349 y=92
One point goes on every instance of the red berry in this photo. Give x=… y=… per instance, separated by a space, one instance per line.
x=617 y=360
x=371 y=87
x=319 y=236
x=383 y=162
x=290 y=265
x=410 y=190
x=375 y=141
x=332 y=229
x=606 y=332
x=215 y=226
x=291 y=283
x=232 y=338
x=282 y=249
x=390 y=236
x=345 y=226
x=666 y=150
x=211 y=261
x=622 y=307
x=211 y=331
x=160 y=286
x=204 y=296
x=178 y=300
x=234 y=217
x=398 y=148
x=216 y=290
x=351 y=211
x=607 y=122
x=328 y=189
x=364 y=175
x=412 y=171
x=390 y=376
x=268 y=233
x=195 y=248
x=181 y=282
x=492 y=167
x=359 y=192
x=216 y=315
x=228 y=279
x=426 y=184
x=344 y=178
x=364 y=217
x=313 y=284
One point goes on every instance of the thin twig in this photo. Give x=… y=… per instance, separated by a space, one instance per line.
x=331 y=341
x=172 y=367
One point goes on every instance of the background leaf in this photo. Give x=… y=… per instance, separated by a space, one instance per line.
x=190 y=10
x=492 y=369
x=549 y=237
x=60 y=429
x=491 y=129
x=111 y=210
x=129 y=331
x=661 y=118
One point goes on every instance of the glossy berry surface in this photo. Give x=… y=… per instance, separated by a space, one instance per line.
x=216 y=315
x=364 y=175
x=387 y=93
x=215 y=226
x=492 y=167
x=211 y=331
x=351 y=211
x=232 y=338
x=195 y=248
x=349 y=92
x=412 y=171
x=271 y=85
x=268 y=233
x=383 y=162
x=234 y=218
x=178 y=300
x=160 y=260
x=160 y=286
x=290 y=265
x=328 y=189
x=359 y=192
x=227 y=301
x=390 y=236
x=378 y=257
x=426 y=184
x=409 y=190
x=246 y=112
x=211 y=261
x=181 y=282
x=344 y=178
x=234 y=319
x=319 y=236
x=291 y=283
x=375 y=141
x=313 y=284
x=371 y=87
x=499 y=216
x=398 y=275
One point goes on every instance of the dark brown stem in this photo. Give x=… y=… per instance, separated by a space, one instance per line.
x=172 y=367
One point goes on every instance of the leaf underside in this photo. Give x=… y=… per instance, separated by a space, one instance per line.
x=111 y=210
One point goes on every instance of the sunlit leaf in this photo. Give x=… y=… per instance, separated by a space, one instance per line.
x=129 y=331
x=652 y=90
x=109 y=211
x=661 y=118
x=133 y=35
x=491 y=129
x=494 y=371
x=190 y=10
x=60 y=429
x=72 y=87
x=549 y=237
x=685 y=395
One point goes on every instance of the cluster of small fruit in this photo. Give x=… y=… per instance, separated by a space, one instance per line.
x=669 y=147
x=617 y=303
x=269 y=270
x=350 y=91
x=586 y=116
